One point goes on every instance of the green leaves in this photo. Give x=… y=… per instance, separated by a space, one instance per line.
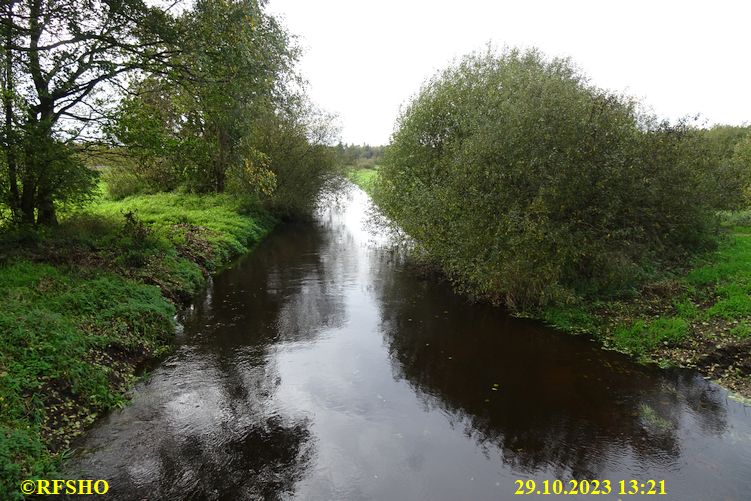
x=527 y=185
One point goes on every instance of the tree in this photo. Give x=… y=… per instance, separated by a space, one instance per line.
x=237 y=64
x=296 y=144
x=526 y=184
x=59 y=58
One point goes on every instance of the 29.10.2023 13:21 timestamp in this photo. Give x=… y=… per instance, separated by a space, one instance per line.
x=593 y=487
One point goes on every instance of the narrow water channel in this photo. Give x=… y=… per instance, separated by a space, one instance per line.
x=319 y=367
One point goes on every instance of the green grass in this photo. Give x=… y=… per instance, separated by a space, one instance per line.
x=57 y=327
x=231 y=223
x=72 y=333
x=728 y=274
x=642 y=336
x=742 y=330
x=716 y=288
x=569 y=319
x=364 y=178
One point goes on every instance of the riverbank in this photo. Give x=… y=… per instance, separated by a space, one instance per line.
x=85 y=304
x=698 y=318
x=364 y=178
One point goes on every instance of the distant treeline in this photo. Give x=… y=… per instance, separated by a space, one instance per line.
x=360 y=156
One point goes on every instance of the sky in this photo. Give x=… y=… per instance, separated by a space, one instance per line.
x=364 y=59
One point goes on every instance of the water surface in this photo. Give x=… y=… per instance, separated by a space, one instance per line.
x=321 y=367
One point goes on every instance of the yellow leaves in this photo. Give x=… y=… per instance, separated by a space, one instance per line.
x=257 y=174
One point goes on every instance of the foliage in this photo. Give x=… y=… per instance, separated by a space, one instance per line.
x=191 y=127
x=295 y=145
x=724 y=138
x=740 y=166
x=360 y=156
x=731 y=173
x=527 y=185
x=56 y=57
x=236 y=119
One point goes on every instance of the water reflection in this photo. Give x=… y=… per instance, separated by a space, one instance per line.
x=200 y=427
x=273 y=295
x=321 y=367
x=542 y=403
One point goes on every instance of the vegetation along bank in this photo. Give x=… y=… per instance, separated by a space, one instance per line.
x=127 y=177
x=86 y=303
x=530 y=188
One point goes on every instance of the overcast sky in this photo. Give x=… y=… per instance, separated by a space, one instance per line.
x=364 y=59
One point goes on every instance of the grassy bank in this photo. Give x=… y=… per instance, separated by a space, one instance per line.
x=699 y=318
x=364 y=178
x=86 y=303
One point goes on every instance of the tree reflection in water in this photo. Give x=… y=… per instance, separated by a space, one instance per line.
x=560 y=405
x=205 y=427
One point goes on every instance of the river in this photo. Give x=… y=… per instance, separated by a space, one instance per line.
x=321 y=366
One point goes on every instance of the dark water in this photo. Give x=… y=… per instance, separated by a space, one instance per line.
x=320 y=368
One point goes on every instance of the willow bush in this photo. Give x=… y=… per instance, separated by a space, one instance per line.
x=526 y=184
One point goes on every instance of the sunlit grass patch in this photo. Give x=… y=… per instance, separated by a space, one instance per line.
x=641 y=336
x=232 y=223
x=364 y=178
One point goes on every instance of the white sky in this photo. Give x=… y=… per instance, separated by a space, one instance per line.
x=363 y=59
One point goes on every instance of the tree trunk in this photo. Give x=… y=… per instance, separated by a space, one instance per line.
x=220 y=165
x=9 y=143
x=39 y=135
x=46 y=214
x=28 y=197
x=42 y=161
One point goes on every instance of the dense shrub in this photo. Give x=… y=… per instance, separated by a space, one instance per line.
x=741 y=166
x=527 y=184
x=295 y=144
x=731 y=173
